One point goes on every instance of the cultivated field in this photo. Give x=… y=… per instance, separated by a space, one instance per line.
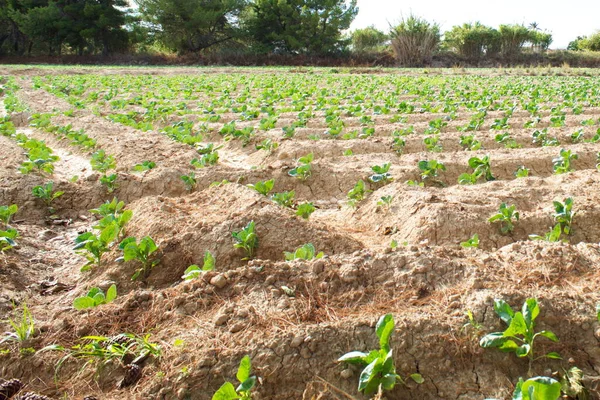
x=393 y=176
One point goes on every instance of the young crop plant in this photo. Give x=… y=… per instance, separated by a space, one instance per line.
x=578 y=136
x=263 y=187
x=189 y=181
x=430 y=170
x=6 y=213
x=92 y=246
x=206 y=160
x=303 y=170
x=551 y=236
x=385 y=202
x=563 y=214
x=379 y=372
x=144 y=166
x=246 y=239
x=432 y=144
x=284 y=199
x=520 y=335
x=357 y=193
x=102 y=162
x=194 y=271
x=246 y=383
x=267 y=145
x=468 y=142
x=23 y=328
x=508 y=141
x=305 y=210
x=143 y=252
x=8 y=238
x=289 y=131
x=47 y=194
x=39 y=156
x=481 y=168
x=562 y=163
x=522 y=172
x=505 y=216
x=381 y=174
x=305 y=252
x=471 y=243
x=112 y=213
x=110 y=181
x=541 y=138
x=398 y=143
x=95 y=297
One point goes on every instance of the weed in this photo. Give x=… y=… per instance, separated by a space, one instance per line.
x=246 y=239
x=23 y=328
x=505 y=216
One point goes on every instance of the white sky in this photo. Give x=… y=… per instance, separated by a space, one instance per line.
x=564 y=19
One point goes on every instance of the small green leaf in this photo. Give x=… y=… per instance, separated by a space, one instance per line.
x=226 y=392
x=247 y=385
x=554 y=355
x=81 y=303
x=417 y=378
x=384 y=330
x=111 y=293
x=243 y=372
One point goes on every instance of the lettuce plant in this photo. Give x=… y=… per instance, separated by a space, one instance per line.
x=194 y=271
x=305 y=252
x=95 y=297
x=6 y=212
x=379 y=372
x=263 y=187
x=246 y=239
x=284 y=199
x=303 y=170
x=143 y=252
x=505 y=216
x=305 y=210
x=246 y=383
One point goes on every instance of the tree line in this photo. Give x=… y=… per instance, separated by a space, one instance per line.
x=297 y=27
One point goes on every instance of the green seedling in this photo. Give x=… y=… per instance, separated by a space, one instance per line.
x=410 y=182
x=6 y=213
x=507 y=141
x=102 y=162
x=246 y=383
x=39 y=156
x=144 y=166
x=505 y=216
x=552 y=236
x=481 y=168
x=284 y=199
x=522 y=172
x=95 y=297
x=92 y=247
x=8 y=239
x=47 y=194
x=468 y=142
x=520 y=335
x=578 y=136
x=110 y=181
x=263 y=187
x=381 y=173
x=430 y=170
x=379 y=372
x=189 y=181
x=246 y=239
x=598 y=161
x=303 y=170
x=305 y=252
x=288 y=131
x=143 y=252
x=267 y=145
x=472 y=243
x=385 y=202
x=194 y=271
x=206 y=160
x=348 y=153
x=562 y=163
x=537 y=388
x=541 y=138
x=305 y=210
x=432 y=144
x=23 y=328
x=357 y=193
x=563 y=214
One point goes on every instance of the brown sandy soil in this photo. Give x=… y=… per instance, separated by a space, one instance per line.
x=296 y=318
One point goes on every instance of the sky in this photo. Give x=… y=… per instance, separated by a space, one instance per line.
x=564 y=19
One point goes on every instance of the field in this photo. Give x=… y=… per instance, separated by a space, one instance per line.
x=392 y=174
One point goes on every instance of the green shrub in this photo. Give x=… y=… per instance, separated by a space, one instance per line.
x=414 y=41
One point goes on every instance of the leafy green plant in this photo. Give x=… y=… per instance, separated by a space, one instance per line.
x=578 y=136
x=563 y=214
x=284 y=199
x=379 y=372
x=537 y=388
x=541 y=138
x=102 y=162
x=508 y=141
x=194 y=271
x=473 y=242
x=551 y=236
x=303 y=170
x=40 y=157
x=562 y=163
x=305 y=252
x=246 y=383
x=23 y=328
x=6 y=212
x=95 y=297
x=432 y=144
x=189 y=181
x=468 y=142
x=144 y=166
x=357 y=193
x=305 y=210
x=110 y=181
x=92 y=246
x=246 y=239
x=47 y=194
x=267 y=145
x=263 y=187
x=505 y=216
x=381 y=173
x=7 y=239
x=520 y=335
x=385 y=201
x=143 y=252
x=430 y=170
x=522 y=172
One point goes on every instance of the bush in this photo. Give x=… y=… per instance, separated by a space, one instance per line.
x=512 y=39
x=414 y=41
x=368 y=40
x=473 y=40
x=591 y=43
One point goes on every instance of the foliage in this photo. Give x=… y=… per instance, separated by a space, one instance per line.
x=537 y=388
x=381 y=173
x=7 y=239
x=563 y=214
x=23 y=328
x=481 y=169
x=194 y=271
x=284 y=199
x=40 y=157
x=110 y=181
x=379 y=372
x=305 y=252
x=522 y=172
x=551 y=236
x=468 y=142
x=473 y=40
x=414 y=41
x=430 y=170
x=305 y=210
x=144 y=166
x=95 y=297
x=143 y=252
x=246 y=383
x=303 y=170
x=369 y=39
x=520 y=334
x=472 y=242
x=357 y=193
x=102 y=162
x=562 y=163
x=6 y=212
x=47 y=194
x=92 y=246
x=263 y=187
x=189 y=181
x=246 y=239
x=505 y=216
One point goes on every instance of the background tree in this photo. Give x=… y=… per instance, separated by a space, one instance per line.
x=414 y=41
x=369 y=39
x=473 y=41
x=193 y=25
x=301 y=26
